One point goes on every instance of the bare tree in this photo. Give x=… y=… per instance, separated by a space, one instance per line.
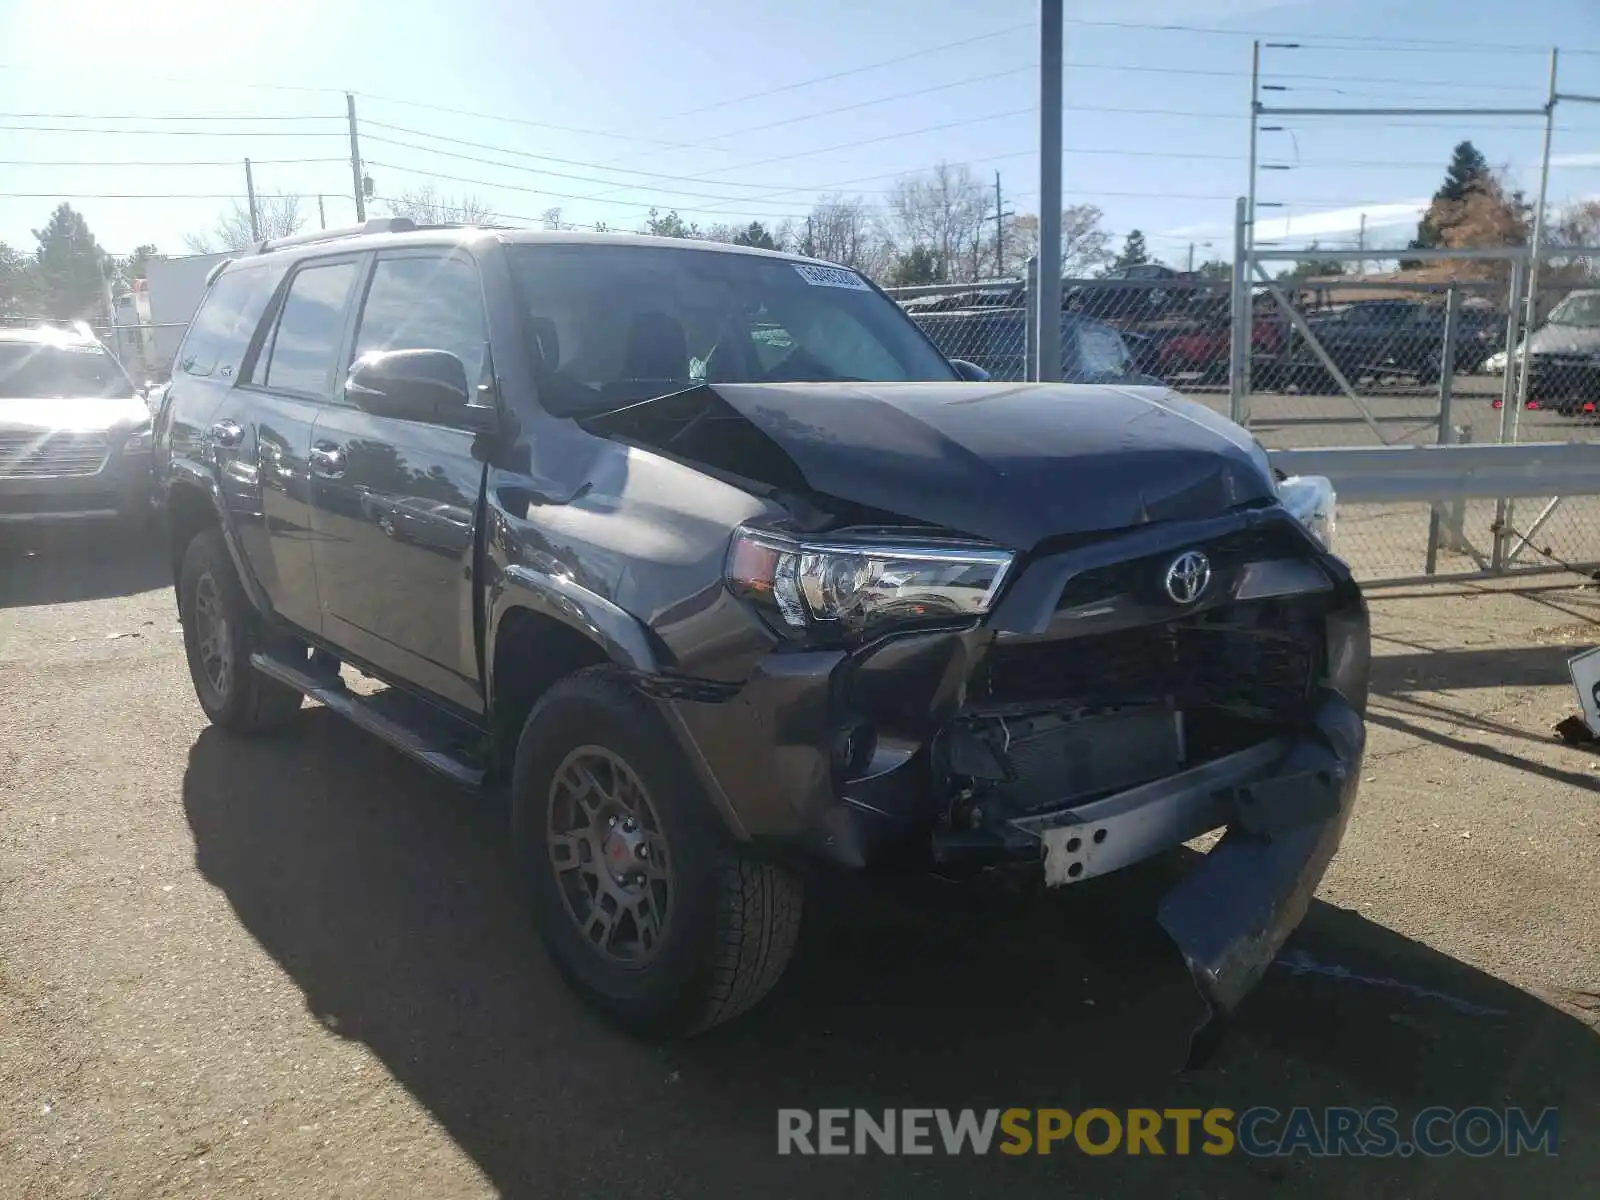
x=425 y=205
x=1085 y=245
x=843 y=231
x=277 y=215
x=550 y=219
x=946 y=210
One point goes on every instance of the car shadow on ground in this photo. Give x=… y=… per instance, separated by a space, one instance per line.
x=44 y=565
x=389 y=898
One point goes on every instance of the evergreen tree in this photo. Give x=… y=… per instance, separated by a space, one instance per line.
x=1134 y=253
x=1467 y=168
x=755 y=234
x=69 y=267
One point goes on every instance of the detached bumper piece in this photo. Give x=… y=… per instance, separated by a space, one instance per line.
x=1284 y=801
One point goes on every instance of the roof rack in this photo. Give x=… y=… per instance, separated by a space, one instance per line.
x=372 y=225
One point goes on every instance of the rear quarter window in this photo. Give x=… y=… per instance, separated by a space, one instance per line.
x=221 y=330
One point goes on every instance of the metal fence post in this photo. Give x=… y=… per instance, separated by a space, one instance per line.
x=1241 y=321
x=1447 y=380
x=1509 y=393
x=1030 y=369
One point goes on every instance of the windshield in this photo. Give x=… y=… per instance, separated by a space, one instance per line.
x=34 y=369
x=617 y=324
x=1580 y=309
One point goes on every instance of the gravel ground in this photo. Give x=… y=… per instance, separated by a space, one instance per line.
x=298 y=967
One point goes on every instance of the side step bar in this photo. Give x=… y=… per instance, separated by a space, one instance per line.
x=347 y=704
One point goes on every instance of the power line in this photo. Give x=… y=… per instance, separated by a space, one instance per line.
x=71 y=116
x=533 y=191
x=184 y=162
x=1304 y=38
x=148 y=195
x=655 y=187
x=571 y=162
x=887 y=62
x=211 y=133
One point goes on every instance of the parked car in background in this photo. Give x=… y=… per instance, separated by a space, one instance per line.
x=1202 y=350
x=1564 y=355
x=995 y=339
x=723 y=571
x=74 y=430
x=1376 y=340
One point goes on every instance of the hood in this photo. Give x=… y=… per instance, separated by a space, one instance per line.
x=1565 y=339
x=82 y=413
x=1011 y=463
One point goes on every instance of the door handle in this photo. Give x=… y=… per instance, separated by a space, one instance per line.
x=326 y=460
x=227 y=433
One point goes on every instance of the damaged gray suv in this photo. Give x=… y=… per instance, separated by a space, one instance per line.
x=709 y=559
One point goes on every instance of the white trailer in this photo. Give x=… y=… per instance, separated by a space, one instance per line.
x=174 y=287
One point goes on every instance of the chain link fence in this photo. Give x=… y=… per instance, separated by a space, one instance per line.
x=1416 y=356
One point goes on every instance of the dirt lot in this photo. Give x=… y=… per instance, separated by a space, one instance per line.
x=298 y=967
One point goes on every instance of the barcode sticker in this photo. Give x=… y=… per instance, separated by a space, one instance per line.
x=831 y=277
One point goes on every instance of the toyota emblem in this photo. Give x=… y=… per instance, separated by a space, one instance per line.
x=1188 y=576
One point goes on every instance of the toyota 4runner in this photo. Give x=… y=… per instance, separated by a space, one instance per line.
x=711 y=560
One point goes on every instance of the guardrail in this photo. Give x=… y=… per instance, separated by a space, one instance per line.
x=1404 y=474
x=1447 y=477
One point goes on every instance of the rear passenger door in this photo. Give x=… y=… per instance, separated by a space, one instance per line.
x=289 y=381
x=395 y=502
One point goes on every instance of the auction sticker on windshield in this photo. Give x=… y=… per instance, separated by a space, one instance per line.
x=831 y=277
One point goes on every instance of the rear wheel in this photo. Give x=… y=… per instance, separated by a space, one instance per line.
x=651 y=911
x=220 y=631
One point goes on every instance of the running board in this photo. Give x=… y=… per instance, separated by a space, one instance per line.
x=353 y=707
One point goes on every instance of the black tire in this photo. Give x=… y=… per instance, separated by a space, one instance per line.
x=730 y=921
x=240 y=698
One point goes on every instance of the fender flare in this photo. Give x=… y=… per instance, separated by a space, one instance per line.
x=622 y=637
x=193 y=477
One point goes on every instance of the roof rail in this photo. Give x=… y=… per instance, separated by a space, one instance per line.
x=372 y=225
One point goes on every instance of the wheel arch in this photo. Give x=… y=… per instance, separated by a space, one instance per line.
x=193 y=503
x=544 y=628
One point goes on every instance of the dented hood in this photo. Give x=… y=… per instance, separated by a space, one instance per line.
x=1011 y=463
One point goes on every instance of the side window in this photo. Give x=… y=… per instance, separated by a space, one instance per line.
x=305 y=345
x=1102 y=352
x=427 y=303
x=221 y=330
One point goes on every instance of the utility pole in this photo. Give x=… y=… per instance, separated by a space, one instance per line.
x=250 y=191
x=355 y=158
x=1189 y=270
x=1048 y=300
x=1000 y=215
x=1361 y=244
x=322 y=214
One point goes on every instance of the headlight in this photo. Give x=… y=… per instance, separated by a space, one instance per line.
x=1311 y=499
x=847 y=588
x=140 y=439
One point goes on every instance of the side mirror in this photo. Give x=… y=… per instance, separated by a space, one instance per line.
x=417 y=385
x=969 y=371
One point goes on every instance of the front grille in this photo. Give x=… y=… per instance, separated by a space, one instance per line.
x=26 y=454
x=1260 y=657
x=1142 y=576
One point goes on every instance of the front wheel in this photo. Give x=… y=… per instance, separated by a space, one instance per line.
x=649 y=909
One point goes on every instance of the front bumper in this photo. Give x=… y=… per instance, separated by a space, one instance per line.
x=836 y=755
x=123 y=487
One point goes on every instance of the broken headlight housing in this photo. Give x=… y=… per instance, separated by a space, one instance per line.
x=848 y=587
x=1312 y=502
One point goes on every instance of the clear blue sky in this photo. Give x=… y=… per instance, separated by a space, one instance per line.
x=662 y=106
